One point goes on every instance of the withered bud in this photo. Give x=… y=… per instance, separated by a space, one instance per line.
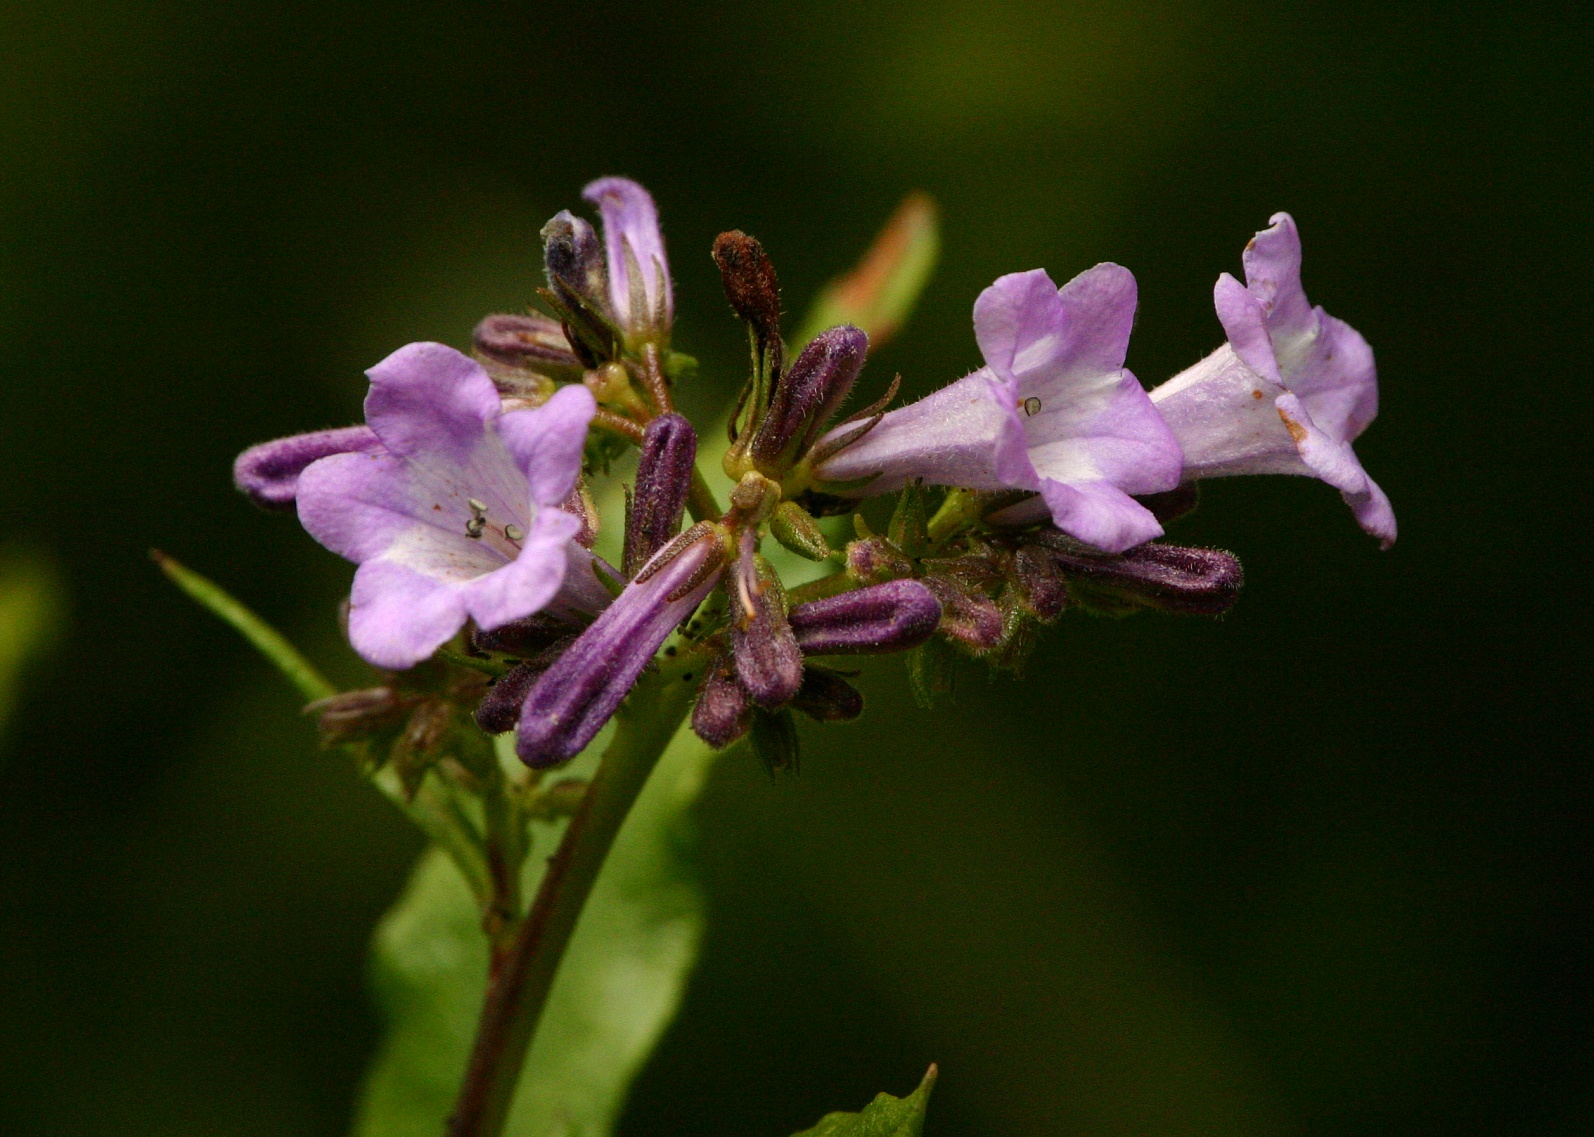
x=357 y=716
x=750 y=283
x=723 y=712
x=499 y=709
x=1174 y=578
x=420 y=743
x=894 y=616
x=663 y=481
x=574 y=259
x=768 y=661
x=1040 y=582
x=808 y=395
x=774 y=738
x=874 y=559
x=826 y=697
x=969 y=618
x=532 y=340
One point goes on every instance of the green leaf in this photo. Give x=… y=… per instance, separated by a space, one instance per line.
x=30 y=613
x=879 y=294
x=618 y=988
x=266 y=640
x=886 y=1116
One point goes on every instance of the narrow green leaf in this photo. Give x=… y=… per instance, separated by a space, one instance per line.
x=618 y=988
x=267 y=640
x=886 y=1116
x=30 y=613
x=879 y=294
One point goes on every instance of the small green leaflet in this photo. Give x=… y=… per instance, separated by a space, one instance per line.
x=30 y=615
x=618 y=988
x=886 y=1116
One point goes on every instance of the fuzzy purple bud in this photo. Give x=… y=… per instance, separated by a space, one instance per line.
x=1174 y=578
x=572 y=700
x=572 y=254
x=723 y=712
x=663 y=480
x=826 y=697
x=269 y=473
x=806 y=397
x=967 y=615
x=894 y=616
x=1040 y=582
x=499 y=709
x=768 y=661
x=531 y=340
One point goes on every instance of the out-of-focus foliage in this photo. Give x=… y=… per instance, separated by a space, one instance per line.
x=879 y=294
x=886 y=1116
x=30 y=616
x=617 y=989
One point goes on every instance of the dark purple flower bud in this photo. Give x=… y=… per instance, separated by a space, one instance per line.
x=750 y=283
x=572 y=700
x=768 y=661
x=1174 y=578
x=894 y=616
x=500 y=707
x=1040 y=582
x=573 y=256
x=807 y=396
x=526 y=638
x=826 y=697
x=663 y=480
x=269 y=473
x=1174 y=504
x=532 y=340
x=967 y=616
x=874 y=559
x=723 y=712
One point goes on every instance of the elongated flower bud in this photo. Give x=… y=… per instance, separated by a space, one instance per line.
x=750 y=283
x=269 y=473
x=826 y=697
x=572 y=700
x=527 y=638
x=768 y=661
x=524 y=340
x=499 y=709
x=663 y=480
x=806 y=397
x=723 y=712
x=894 y=616
x=1174 y=578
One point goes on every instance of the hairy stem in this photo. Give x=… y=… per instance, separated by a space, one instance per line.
x=518 y=990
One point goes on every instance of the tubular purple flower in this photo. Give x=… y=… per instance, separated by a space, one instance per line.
x=269 y=473
x=567 y=707
x=894 y=616
x=663 y=481
x=1054 y=411
x=1287 y=394
x=640 y=295
x=456 y=515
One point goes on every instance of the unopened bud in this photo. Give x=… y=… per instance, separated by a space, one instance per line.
x=750 y=283
x=499 y=709
x=826 y=697
x=874 y=559
x=723 y=711
x=663 y=481
x=531 y=340
x=1174 y=578
x=1040 y=582
x=968 y=617
x=574 y=259
x=794 y=527
x=774 y=739
x=527 y=637
x=807 y=396
x=894 y=616
x=768 y=661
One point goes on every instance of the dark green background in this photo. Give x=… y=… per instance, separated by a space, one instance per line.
x=1320 y=868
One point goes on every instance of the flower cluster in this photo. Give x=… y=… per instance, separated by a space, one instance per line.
x=1037 y=483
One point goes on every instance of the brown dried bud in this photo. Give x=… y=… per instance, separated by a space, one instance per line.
x=750 y=283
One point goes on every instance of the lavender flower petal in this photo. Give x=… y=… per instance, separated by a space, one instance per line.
x=567 y=707
x=894 y=616
x=640 y=293
x=269 y=473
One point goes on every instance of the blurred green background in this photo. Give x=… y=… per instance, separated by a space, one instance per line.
x=1320 y=868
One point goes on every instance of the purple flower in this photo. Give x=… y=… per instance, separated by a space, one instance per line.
x=1053 y=410
x=456 y=514
x=269 y=473
x=1287 y=394
x=639 y=273
x=572 y=700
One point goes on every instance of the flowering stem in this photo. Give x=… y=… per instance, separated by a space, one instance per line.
x=518 y=990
